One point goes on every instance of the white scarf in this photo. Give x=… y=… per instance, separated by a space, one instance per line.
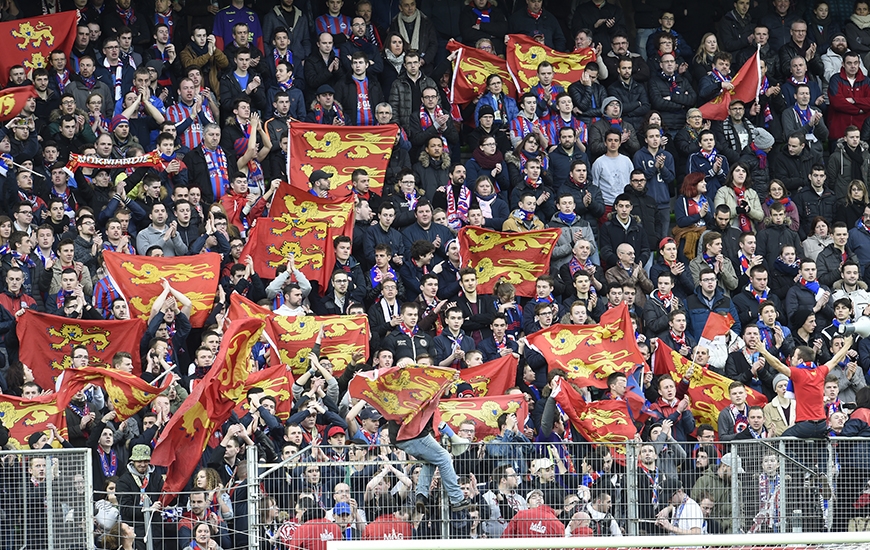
x=389 y=312
x=414 y=39
x=861 y=21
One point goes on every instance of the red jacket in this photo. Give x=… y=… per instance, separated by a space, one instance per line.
x=314 y=534
x=842 y=113
x=537 y=522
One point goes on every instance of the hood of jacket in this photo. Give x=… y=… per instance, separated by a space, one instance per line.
x=861 y=285
x=426 y=161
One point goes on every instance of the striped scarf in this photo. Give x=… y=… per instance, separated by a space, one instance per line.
x=217 y=171
x=62 y=80
x=457 y=210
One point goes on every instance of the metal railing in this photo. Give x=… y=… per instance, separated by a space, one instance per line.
x=46 y=499
x=778 y=485
x=769 y=486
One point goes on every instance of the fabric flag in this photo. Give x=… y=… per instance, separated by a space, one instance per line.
x=276 y=382
x=518 y=258
x=470 y=71
x=127 y=392
x=343 y=335
x=591 y=353
x=25 y=417
x=302 y=225
x=29 y=42
x=138 y=280
x=294 y=337
x=708 y=390
x=605 y=421
x=12 y=101
x=339 y=150
x=491 y=378
x=407 y=395
x=58 y=335
x=524 y=54
x=184 y=438
x=746 y=83
x=714 y=337
x=483 y=411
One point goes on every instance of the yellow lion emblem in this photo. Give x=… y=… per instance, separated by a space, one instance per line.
x=487 y=240
x=37 y=61
x=297 y=328
x=311 y=256
x=514 y=271
x=357 y=145
x=199 y=301
x=75 y=334
x=150 y=273
x=33 y=35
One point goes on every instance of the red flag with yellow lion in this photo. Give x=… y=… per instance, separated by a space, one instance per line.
x=127 y=392
x=470 y=71
x=518 y=258
x=139 y=280
x=591 y=353
x=605 y=421
x=484 y=412
x=524 y=54
x=184 y=438
x=47 y=343
x=25 y=417
x=294 y=337
x=29 y=42
x=708 y=391
x=339 y=150
x=407 y=395
x=302 y=225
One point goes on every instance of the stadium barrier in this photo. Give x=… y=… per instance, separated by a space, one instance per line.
x=47 y=499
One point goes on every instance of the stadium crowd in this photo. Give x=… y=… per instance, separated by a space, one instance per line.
x=764 y=215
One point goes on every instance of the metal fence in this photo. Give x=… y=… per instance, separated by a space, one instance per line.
x=46 y=500
x=758 y=486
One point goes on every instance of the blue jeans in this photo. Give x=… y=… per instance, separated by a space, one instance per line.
x=432 y=455
x=643 y=35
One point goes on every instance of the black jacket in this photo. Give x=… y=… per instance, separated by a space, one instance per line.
x=794 y=171
x=583 y=96
x=346 y=95
x=612 y=235
x=403 y=345
x=673 y=110
x=230 y=91
x=197 y=171
x=633 y=98
x=547 y=24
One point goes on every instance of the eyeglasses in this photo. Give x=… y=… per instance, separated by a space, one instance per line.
x=430 y=97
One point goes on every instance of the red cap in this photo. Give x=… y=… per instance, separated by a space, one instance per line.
x=335 y=430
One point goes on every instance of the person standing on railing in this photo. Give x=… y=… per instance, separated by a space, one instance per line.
x=809 y=388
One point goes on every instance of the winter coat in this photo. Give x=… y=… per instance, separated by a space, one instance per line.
x=839 y=168
x=772 y=238
x=673 y=110
x=726 y=196
x=401 y=97
x=842 y=113
x=810 y=204
x=633 y=98
x=698 y=311
x=612 y=234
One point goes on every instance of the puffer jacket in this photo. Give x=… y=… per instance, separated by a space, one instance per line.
x=698 y=311
x=401 y=97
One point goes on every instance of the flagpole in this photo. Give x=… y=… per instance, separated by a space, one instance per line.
x=758 y=71
x=289 y=141
x=455 y=71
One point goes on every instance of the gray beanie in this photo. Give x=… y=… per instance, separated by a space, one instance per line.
x=779 y=378
x=762 y=138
